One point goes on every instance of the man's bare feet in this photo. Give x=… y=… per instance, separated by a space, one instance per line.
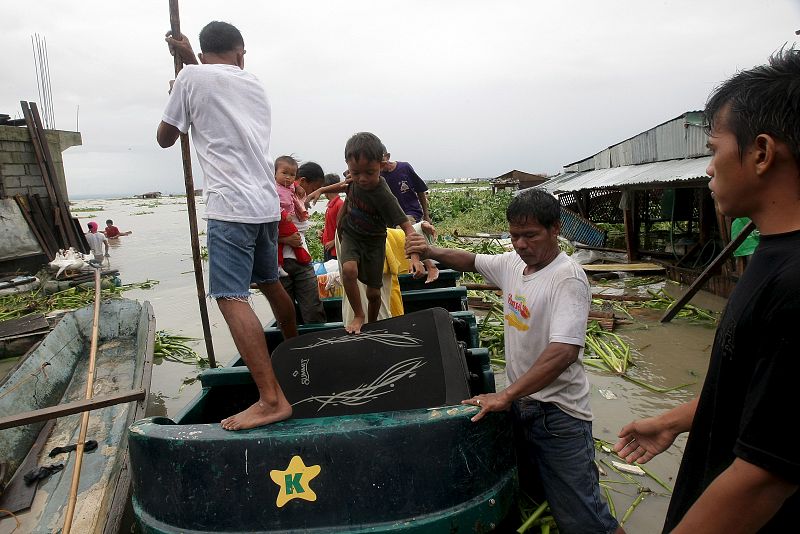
x=355 y=325
x=259 y=414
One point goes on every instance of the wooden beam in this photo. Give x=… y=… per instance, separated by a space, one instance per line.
x=60 y=201
x=69 y=408
x=705 y=275
x=25 y=210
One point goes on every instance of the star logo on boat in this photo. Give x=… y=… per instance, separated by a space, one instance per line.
x=293 y=481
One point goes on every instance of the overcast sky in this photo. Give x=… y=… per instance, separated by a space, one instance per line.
x=458 y=88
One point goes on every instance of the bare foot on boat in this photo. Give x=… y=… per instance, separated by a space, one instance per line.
x=355 y=325
x=259 y=414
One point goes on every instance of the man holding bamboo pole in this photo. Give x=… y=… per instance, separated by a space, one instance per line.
x=546 y=301
x=740 y=470
x=228 y=111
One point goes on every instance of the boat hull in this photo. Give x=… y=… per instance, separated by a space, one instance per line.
x=124 y=362
x=426 y=470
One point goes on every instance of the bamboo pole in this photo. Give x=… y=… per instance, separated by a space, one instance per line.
x=76 y=473
x=175 y=26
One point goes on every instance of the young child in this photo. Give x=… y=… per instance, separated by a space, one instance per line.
x=335 y=203
x=369 y=208
x=292 y=209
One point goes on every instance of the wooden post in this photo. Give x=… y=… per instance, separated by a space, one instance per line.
x=705 y=275
x=175 y=26
x=631 y=227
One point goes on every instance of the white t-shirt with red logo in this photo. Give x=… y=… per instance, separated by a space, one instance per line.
x=548 y=306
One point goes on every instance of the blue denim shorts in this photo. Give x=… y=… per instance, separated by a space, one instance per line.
x=561 y=449
x=240 y=254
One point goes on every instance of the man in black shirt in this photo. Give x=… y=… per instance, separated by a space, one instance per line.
x=741 y=470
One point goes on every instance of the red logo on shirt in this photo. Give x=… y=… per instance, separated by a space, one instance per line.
x=519 y=306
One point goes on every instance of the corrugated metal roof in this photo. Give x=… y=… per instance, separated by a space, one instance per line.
x=681 y=137
x=660 y=172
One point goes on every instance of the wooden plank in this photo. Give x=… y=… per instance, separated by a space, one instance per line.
x=74 y=241
x=22 y=325
x=26 y=214
x=18 y=495
x=76 y=224
x=44 y=222
x=69 y=408
x=709 y=271
x=38 y=150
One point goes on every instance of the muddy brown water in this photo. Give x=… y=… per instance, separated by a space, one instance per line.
x=159 y=249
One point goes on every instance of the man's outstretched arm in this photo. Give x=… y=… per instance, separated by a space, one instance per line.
x=460 y=260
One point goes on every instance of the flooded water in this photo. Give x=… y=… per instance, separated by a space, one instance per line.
x=159 y=249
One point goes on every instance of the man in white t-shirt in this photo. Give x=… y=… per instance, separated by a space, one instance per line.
x=546 y=302
x=230 y=119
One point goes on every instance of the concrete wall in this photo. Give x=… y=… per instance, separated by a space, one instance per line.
x=19 y=172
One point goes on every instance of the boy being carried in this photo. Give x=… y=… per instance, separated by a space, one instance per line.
x=370 y=207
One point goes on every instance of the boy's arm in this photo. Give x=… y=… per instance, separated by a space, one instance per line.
x=423 y=201
x=415 y=266
x=333 y=188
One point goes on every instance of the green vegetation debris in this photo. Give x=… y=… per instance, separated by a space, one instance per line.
x=175 y=348
x=21 y=304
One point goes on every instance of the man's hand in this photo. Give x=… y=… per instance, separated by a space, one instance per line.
x=489 y=402
x=643 y=439
x=293 y=240
x=416 y=244
x=183 y=47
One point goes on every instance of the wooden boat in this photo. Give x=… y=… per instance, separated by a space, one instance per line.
x=378 y=441
x=50 y=383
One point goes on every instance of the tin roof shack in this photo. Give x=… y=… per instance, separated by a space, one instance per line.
x=517 y=180
x=651 y=193
x=31 y=201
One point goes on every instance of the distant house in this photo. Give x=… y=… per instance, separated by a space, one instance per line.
x=517 y=179
x=151 y=194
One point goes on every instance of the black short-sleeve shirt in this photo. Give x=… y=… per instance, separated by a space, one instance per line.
x=749 y=406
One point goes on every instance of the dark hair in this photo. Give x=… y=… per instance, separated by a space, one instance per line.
x=331 y=179
x=762 y=100
x=534 y=204
x=286 y=160
x=219 y=37
x=364 y=145
x=109 y=221
x=311 y=171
